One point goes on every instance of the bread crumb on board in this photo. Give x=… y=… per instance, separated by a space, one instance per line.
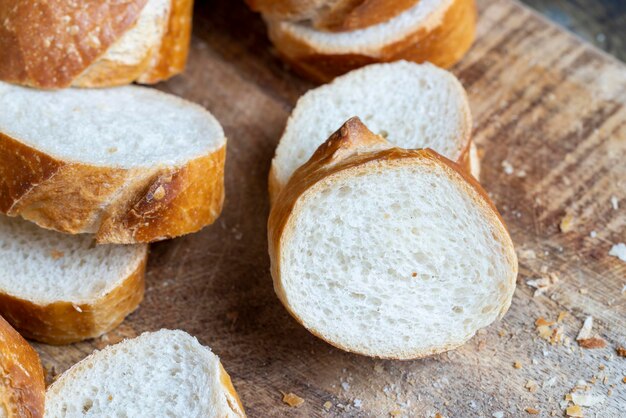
x=574 y=411
x=517 y=365
x=586 y=338
x=567 y=223
x=532 y=411
x=619 y=251
x=292 y=399
x=327 y=405
x=621 y=351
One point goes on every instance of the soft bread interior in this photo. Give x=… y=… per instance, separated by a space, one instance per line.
x=395 y=261
x=412 y=105
x=144 y=37
x=44 y=266
x=159 y=374
x=426 y=14
x=123 y=127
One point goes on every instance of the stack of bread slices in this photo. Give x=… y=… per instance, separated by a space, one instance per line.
x=88 y=178
x=322 y=39
x=381 y=240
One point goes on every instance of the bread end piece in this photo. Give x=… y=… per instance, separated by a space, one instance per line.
x=65 y=322
x=444 y=45
x=22 y=388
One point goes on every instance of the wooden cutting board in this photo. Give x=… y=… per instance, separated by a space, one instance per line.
x=550 y=119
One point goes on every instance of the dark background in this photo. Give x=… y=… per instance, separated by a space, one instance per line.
x=601 y=22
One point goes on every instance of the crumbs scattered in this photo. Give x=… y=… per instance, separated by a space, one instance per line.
x=543 y=284
x=621 y=351
x=292 y=399
x=532 y=411
x=327 y=405
x=517 y=365
x=574 y=411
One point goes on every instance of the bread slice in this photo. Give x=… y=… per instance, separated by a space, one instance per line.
x=439 y=31
x=60 y=289
x=22 y=387
x=412 y=105
x=333 y=15
x=388 y=252
x=158 y=374
x=128 y=164
x=55 y=44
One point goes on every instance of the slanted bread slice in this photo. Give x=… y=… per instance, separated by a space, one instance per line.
x=22 y=386
x=389 y=253
x=55 y=44
x=159 y=374
x=128 y=164
x=414 y=106
x=59 y=288
x=438 y=31
x=333 y=15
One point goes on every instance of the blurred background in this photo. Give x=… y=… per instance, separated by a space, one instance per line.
x=601 y=22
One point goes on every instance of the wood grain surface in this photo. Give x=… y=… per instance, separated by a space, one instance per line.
x=550 y=119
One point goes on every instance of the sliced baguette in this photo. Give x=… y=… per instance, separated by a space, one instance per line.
x=22 y=386
x=56 y=44
x=413 y=105
x=128 y=164
x=159 y=374
x=333 y=15
x=59 y=289
x=439 y=31
x=388 y=252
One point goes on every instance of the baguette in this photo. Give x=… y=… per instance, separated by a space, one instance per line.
x=438 y=31
x=127 y=164
x=60 y=289
x=387 y=252
x=22 y=387
x=413 y=105
x=55 y=44
x=333 y=15
x=158 y=374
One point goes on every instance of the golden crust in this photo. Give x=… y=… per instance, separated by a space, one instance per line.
x=56 y=44
x=443 y=46
x=227 y=384
x=122 y=206
x=64 y=322
x=22 y=387
x=345 y=154
x=172 y=56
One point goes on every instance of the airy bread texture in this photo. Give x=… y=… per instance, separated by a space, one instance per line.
x=22 y=387
x=128 y=164
x=438 y=31
x=56 y=44
x=159 y=374
x=412 y=105
x=333 y=15
x=389 y=253
x=60 y=289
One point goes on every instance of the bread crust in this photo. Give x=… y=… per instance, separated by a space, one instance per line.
x=66 y=322
x=346 y=154
x=56 y=44
x=172 y=56
x=333 y=15
x=443 y=45
x=22 y=387
x=231 y=394
x=121 y=206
